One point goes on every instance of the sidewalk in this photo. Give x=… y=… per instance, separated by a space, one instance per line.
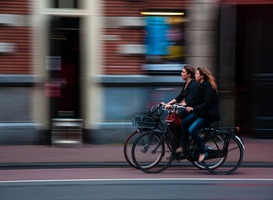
x=257 y=151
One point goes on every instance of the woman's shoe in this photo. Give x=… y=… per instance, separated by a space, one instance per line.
x=179 y=150
x=202 y=157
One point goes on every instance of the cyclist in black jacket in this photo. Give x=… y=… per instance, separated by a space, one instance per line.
x=190 y=90
x=189 y=95
x=206 y=112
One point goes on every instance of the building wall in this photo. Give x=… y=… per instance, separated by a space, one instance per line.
x=115 y=84
x=117 y=70
x=123 y=33
x=119 y=76
x=16 y=73
x=246 y=2
x=24 y=29
x=15 y=37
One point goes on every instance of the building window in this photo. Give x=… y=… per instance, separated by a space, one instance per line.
x=73 y=4
x=164 y=40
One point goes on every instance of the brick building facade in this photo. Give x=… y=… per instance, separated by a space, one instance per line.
x=16 y=37
x=125 y=23
x=104 y=43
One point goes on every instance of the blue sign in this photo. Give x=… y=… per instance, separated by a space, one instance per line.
x=157 y=35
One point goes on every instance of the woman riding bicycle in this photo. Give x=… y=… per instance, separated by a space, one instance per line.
x=206 y=112
x=189 y=93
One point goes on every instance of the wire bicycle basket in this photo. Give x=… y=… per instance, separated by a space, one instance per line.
x=148 y=120
x=144 y=121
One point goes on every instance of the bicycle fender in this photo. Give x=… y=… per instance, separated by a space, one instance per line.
x=240 y=140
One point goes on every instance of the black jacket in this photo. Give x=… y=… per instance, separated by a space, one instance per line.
x=209 y=106
x=190 y=94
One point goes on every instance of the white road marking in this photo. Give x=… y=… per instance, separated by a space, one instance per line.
x=139 y=179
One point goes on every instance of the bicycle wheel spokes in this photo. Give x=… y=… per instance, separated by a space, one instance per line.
x=148 y=153
x=229 y=149
x=147 y=150
x=214 y=146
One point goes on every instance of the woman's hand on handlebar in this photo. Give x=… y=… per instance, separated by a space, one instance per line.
x=183 y=103
x=167 y=106
x=189 y=109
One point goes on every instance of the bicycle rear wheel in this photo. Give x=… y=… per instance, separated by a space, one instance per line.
x=152 y=153
x=216 y=162
x=227 y=147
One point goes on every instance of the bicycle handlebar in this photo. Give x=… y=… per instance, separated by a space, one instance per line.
x=159 y=109
x=172 y=107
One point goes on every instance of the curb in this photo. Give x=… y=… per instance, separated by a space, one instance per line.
x=55 y=165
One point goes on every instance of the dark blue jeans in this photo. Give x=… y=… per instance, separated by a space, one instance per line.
x=190 y=126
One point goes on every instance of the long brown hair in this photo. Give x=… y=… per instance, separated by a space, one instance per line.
x=208 y=76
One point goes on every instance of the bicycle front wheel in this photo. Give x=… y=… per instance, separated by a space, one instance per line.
x=152 y=153
x=226 y=147
x=127 y=147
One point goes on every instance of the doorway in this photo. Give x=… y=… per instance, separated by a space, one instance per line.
x=64 y=66
x=254 y=69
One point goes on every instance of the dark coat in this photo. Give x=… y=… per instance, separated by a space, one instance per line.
x=189 y=94
x=209 y=106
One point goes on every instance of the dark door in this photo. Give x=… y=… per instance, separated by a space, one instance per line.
x=254 y=69
x=63 y=87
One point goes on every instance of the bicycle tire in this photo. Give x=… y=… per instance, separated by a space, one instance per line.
x=151 y=152
x=127 y=147
x=228 y=147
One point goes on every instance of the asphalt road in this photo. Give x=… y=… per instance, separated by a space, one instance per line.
x=131 y=184
x=138 y=189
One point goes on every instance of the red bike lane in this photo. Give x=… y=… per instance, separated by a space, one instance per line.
x=183 y=172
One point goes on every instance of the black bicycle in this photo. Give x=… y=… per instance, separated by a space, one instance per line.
x=150 y=121
x=154 y=150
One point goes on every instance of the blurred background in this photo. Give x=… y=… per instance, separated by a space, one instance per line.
x=91 y=64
